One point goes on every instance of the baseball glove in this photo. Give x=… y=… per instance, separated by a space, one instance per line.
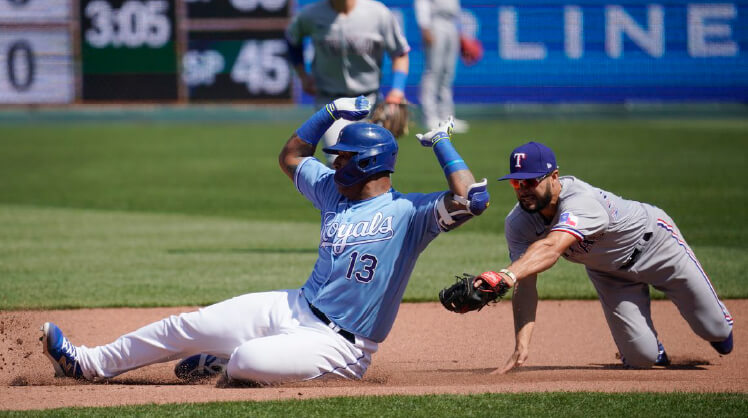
x=393 y=117
x=463 y=296
x=471 y=50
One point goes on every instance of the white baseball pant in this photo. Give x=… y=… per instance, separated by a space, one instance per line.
x=269 y=337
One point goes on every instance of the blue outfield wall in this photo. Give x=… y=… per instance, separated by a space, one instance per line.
x=555 y=51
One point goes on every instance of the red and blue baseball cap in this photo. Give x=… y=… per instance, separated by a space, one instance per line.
x=529 y=161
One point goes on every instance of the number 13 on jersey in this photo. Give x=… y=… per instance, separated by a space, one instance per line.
x=362 y=267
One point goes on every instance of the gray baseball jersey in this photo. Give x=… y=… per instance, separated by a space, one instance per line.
x=348 y=49
x=626 y=246
x=607 y=227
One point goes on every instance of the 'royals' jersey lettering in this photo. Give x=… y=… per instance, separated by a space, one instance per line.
x=339 y=235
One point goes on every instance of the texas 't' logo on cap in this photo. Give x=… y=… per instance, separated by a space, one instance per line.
x=530 y=160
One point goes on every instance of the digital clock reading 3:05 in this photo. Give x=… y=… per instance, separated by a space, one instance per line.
x=128 y=50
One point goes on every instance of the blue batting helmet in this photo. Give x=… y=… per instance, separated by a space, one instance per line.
x=375 y=148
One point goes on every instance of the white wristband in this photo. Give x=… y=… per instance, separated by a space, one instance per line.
x=510 y=274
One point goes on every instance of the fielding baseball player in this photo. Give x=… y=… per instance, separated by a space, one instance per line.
x=438 y=21
x=350 y=38
x=370 y=238
x=625 y=245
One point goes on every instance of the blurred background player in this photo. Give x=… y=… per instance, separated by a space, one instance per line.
x=371 y=237
x=350 y=38
x=438 y=21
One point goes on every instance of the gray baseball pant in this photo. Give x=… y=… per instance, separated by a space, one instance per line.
x=669 y=265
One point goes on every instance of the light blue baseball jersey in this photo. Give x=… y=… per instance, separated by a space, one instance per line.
x=367 y=250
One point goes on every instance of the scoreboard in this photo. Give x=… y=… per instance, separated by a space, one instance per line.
x=36 y=59
x=231 y=9
x=237 y=65
x=233 y=51
x=140 y=51
x=128 y=50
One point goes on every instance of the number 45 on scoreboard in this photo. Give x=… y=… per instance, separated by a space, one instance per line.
x=213 y=68
x=262 y=67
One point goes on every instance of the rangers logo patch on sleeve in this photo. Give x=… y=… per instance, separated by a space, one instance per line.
x=568 y=219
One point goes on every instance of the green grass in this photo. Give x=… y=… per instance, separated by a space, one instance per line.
x=691 y=168
x=573 y=404
x=75 y=258
x=133 y=214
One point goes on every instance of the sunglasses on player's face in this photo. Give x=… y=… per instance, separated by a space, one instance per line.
x=528 y=183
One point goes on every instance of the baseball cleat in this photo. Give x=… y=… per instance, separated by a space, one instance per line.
x=662 y=358
x=59 y=350
x=723 y=347
x=199 y=367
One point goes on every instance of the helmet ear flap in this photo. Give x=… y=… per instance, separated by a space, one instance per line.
x=365 y=162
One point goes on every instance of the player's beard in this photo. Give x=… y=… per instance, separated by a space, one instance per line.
x=532 y=203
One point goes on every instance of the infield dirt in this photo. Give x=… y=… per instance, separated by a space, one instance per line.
x=429 y=351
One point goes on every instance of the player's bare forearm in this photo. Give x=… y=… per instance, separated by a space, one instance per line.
x=292 y=153
x=401 y=63
x=427 y=37
x=541 y=255
x=459 y=181
x=301 y=71
x=307 y=81
x=524 y=307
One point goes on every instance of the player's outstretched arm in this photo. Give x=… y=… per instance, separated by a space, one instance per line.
x=304 y=141
x=467 y=198
x=541 y=255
